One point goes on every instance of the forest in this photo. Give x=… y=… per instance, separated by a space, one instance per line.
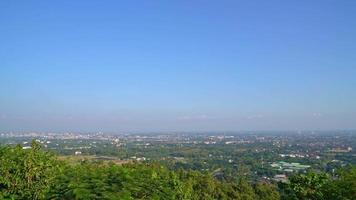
x=38 y=174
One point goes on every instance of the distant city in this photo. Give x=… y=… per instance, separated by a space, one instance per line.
x=268 y=155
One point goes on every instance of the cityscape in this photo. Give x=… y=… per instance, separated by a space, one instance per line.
x=268 y=156
x=178 y=100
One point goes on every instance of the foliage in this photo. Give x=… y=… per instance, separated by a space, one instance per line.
x=313 y=186
x=309 y=186
x=37 y=174
x=344 y=187
x=26 y=174
x=266 y=192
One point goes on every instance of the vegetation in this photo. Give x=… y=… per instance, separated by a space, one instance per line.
x=26 y=174
x=37 y=174
x=321 y=186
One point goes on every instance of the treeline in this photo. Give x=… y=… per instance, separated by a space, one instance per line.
x=37 y=174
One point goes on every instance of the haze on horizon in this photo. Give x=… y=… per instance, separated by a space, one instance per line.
x=177 y=65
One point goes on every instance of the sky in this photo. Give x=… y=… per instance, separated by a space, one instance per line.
x=136 y=66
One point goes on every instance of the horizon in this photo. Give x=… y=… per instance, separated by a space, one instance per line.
x=177 y=66
x=212 y=132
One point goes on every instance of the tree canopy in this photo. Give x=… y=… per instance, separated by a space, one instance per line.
x=37 y=174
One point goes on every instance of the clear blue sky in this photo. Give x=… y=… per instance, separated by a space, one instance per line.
x=177 y=65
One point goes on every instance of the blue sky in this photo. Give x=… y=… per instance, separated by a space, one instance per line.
x=177 y=65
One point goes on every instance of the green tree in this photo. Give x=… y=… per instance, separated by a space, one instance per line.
x=344 y=187
x=266 y=191
x=26 y=174
x=311 y=186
